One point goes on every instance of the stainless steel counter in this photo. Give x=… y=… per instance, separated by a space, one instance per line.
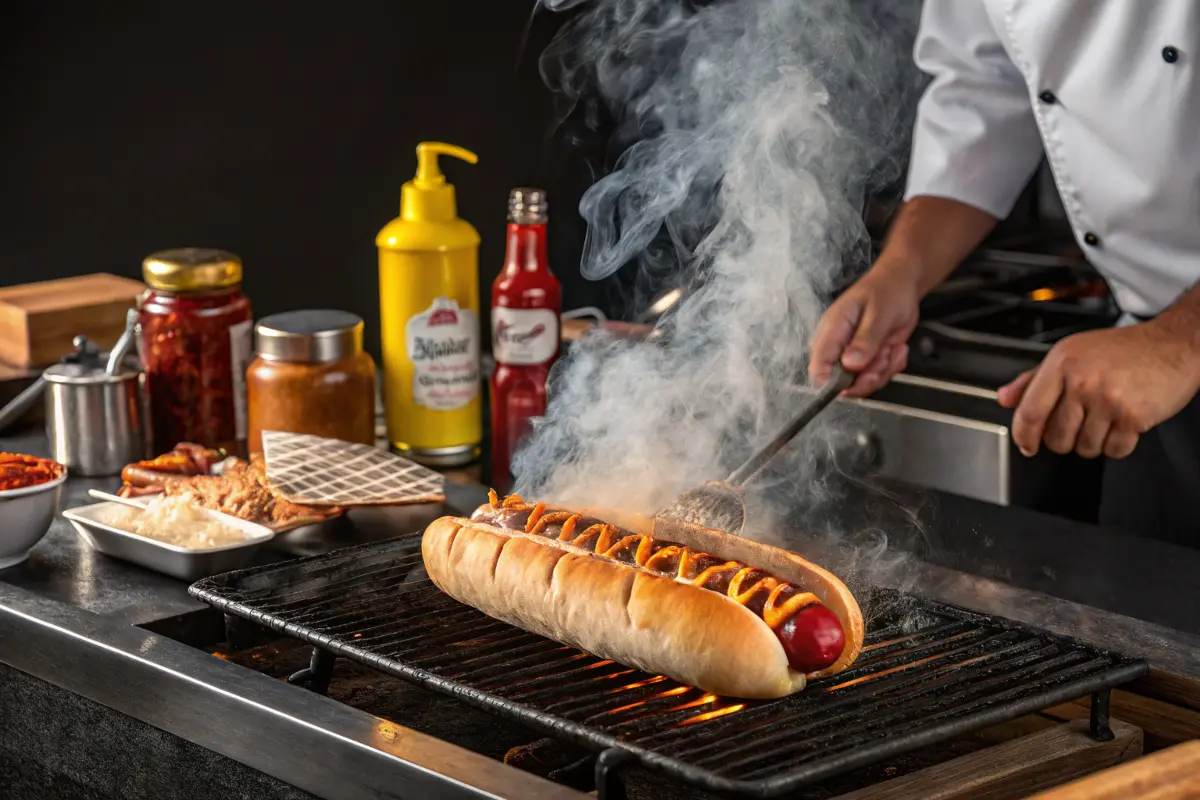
x=70 y=617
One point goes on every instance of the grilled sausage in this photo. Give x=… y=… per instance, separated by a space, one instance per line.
x=185 y=460
x=143 y=477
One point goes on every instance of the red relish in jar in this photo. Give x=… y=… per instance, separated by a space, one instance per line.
x=195 y=344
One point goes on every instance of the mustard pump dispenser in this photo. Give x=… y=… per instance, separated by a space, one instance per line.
x=429 y=314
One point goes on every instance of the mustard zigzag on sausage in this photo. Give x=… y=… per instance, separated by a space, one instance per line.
x=774 y=600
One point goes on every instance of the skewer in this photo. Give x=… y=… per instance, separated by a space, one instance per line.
x=115 y=498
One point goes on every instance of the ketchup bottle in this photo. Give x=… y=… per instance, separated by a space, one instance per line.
x=526 y=303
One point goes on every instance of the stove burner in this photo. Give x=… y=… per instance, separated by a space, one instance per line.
x=993 y=320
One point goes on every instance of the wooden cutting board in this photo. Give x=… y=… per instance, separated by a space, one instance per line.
x=39 y=320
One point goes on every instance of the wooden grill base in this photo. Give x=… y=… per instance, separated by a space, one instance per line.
x=1015 y=768
x=1172 y=774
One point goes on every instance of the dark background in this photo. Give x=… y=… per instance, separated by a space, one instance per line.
x=279 y=130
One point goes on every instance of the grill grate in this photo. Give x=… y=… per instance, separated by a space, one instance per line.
x=927 y=672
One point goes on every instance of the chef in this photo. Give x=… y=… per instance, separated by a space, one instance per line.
x=1107 y=91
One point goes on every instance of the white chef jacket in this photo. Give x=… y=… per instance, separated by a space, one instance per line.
x=1108 y=89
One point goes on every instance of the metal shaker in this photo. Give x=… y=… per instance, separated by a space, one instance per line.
x=97 y=415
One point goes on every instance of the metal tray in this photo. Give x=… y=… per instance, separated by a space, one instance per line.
x=179 y=562
x=928 y=672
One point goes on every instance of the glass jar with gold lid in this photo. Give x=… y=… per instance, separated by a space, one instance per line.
x=195 y=343
x=311 y=375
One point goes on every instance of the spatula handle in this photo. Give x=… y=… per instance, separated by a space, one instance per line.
x=838 y=382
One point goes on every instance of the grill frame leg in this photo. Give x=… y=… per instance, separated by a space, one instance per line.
x=1098 y=727
x=315 y=677
x=608 y=781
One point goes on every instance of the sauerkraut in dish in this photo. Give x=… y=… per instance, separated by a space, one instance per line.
x=173 y=520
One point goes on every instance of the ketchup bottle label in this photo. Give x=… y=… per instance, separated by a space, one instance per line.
x=443 y=346
x=524 y=336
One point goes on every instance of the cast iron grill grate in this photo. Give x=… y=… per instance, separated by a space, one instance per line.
x=928 y=672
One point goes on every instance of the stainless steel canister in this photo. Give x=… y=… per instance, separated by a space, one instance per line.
x=96 y=422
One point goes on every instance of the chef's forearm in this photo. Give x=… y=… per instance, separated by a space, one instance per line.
x=930 y=237
x=1182 y=320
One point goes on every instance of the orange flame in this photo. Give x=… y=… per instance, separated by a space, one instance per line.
x=875 y=675
x=701 y=701
x=612 y=675
x=639 y=684
x=659 y=696
x=707 y=715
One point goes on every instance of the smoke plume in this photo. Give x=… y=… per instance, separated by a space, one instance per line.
x=753 y=130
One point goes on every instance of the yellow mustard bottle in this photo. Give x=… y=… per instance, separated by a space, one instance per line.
x=429 y=314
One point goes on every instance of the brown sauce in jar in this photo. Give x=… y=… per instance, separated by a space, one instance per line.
x=311 y=376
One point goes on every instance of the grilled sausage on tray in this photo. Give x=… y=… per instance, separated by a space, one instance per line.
x=719 y=612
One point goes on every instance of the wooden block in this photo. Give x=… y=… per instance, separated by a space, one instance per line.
x=1174 y=689
x=1014 y=769
x=39 y=320
x=1013 y=729
x=1168 y=723
x=1172 y=774
x=1163 y=723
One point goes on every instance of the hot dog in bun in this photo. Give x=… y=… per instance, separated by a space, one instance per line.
x=719 y=612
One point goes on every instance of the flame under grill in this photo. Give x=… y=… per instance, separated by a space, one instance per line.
x=928 y=672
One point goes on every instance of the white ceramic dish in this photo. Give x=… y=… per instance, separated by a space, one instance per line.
x=180 y=562
x=25 y=516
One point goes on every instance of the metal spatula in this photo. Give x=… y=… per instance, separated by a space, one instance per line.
x=719 y=504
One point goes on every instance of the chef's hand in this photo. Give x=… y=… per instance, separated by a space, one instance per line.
x=1097 y=392
x=867 y=329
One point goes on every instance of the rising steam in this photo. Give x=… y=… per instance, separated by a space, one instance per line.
x=753 y=131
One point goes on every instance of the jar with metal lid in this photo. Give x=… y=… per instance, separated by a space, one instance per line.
x=195 y=344
x=311 y=375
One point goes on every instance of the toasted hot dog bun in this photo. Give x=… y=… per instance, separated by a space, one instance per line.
x=783 y=564
x=629 y=615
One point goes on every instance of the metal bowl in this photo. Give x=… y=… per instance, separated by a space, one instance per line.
x=25 y=516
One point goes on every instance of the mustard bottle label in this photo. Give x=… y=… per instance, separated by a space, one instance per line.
x=443 y=346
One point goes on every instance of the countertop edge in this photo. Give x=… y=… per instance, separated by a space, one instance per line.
x=193 y=695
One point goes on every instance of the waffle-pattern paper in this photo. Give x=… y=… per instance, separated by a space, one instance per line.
x=313 y=471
